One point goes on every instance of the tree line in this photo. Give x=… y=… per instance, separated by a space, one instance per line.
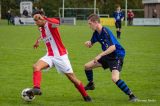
x=51 y=7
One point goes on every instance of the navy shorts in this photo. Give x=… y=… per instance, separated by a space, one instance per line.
x=111 y=63
x=118 y=24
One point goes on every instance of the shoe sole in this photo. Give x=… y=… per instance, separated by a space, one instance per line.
x=89 y=88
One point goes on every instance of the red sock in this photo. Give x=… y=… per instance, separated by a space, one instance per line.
x=37 y=79
x=82 y=90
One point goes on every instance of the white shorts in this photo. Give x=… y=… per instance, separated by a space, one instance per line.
x=61 y=63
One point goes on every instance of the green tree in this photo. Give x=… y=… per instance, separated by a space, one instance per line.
x=51 y=7
x=9 y=5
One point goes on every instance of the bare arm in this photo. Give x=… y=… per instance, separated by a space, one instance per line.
x=55 y=22
x=122 y=19
x=106 y=52
x=37 y=42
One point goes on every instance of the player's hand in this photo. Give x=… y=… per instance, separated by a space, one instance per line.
x=97 y=58
x=114 y=21
x=88 y=44
x=36 y=44
x=122 y=19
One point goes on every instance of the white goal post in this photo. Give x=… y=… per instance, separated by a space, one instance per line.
x=77 y=12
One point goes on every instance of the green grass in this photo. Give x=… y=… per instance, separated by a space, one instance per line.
x=141 y=68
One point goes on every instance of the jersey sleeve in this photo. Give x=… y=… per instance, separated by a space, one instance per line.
x=120 y=51
x=113 y=41
x=94 y=38
x=109 y=35
x=52 y=20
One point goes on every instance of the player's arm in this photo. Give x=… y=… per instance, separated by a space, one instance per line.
x=122 y=16
x=91 y=42
x=111 y=49
x=114 y=15
x=36 y=44
x=55 y=22
x=132 y=14
x=88 y=44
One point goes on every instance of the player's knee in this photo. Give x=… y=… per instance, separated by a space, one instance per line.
x=73 y=79
x=86 y=67
x=36 y=67
x=115 y=79
x=118 y=29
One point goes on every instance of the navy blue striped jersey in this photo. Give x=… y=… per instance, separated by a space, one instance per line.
x=118 y=15
x=107 y=39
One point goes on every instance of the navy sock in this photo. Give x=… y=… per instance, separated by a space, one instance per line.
x=122 y=85
x=89 y=74
x=117 y=34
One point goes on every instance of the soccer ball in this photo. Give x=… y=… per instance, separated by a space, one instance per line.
x=25 y=97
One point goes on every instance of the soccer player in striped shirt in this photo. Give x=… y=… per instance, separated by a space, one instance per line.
x=56 y=55
x=111 y=57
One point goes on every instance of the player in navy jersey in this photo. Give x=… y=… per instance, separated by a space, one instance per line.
x=119 y=17
x=111 y=57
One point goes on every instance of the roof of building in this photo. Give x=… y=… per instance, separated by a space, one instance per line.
x=150 y=1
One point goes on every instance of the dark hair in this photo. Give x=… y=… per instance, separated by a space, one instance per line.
x=38 y=12
x=117 y=6
x=94 y=17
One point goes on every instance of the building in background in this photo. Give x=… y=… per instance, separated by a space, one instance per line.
x=150 y=6
x=0 y=9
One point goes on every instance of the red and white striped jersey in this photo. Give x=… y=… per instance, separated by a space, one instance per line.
x=52 y=40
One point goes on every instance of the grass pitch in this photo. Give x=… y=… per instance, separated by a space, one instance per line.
x=141 y=68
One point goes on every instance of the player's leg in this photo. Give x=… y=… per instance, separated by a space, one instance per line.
x=78 y=84
x=116 y=66
x=120 y=26
x=122 y=85
x=63 y=65
x=118 y=29
x=37 y=67
x=89 y=74
x=44 y=62
x=132 y=21
x=129 y=21
x=118 y=33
